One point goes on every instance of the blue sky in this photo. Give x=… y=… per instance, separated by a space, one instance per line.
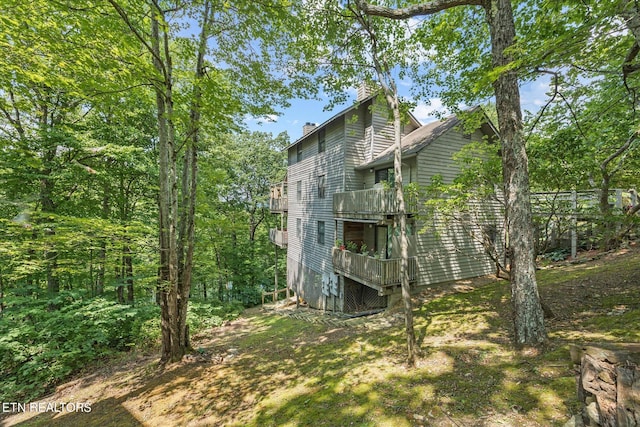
x=533 y=97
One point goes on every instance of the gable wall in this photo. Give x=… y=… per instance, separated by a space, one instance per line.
x=444 y=249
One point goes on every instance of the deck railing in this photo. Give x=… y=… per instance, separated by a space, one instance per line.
x=372 y=271
x=279 y=237
x=278 y=205
x=278 y=199
x=372 y=201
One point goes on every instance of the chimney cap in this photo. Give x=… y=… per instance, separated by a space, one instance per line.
x=308 y=128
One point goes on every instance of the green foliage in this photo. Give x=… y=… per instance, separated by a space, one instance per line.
x=39 y=346
x=203 y=315
x=557 y=255
x=479 y=179
x=233 y=218
x=459 y=69
x=571 y=153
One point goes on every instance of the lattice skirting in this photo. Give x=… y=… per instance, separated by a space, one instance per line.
x=358 y=297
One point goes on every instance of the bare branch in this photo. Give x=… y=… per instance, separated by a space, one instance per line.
x=429 y=8
x=618 y=153
x=139 y=36
x=555 y=93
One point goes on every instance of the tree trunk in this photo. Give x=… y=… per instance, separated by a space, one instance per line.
x=608 y=225
x=128 y=272
x=177 y=235
x=102 y=265
x=528 y=315
x=390 y=90
x=529 y=318
x=609 y=235
x=173 y=348
x=189 y=185
x=48 y=206
x=401 y=218
x=102 y=252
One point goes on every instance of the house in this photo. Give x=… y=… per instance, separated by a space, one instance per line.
x=337 y=193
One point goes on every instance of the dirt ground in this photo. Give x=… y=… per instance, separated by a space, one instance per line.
x=243 y=364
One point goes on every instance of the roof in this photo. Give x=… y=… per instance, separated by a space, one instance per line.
x=340 y=114
x=421 y=138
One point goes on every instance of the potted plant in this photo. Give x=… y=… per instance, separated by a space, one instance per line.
x=339 y=244
x=352 y=246
x=363 y=249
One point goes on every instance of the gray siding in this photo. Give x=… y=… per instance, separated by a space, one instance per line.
x=437 y=158
x=382 y=129
x=307 y=260
x=363 y=144
x=354 y=148
x=444 y=248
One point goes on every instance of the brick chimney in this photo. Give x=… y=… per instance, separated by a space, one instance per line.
x=308 y=128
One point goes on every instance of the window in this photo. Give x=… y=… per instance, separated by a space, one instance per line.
x=322 y=186
x=321 y=232
x=322 y=144
x=298 y=191
x=385 y=175
x=299 y=152
x=298 y=227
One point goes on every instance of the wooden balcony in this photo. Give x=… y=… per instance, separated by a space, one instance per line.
x=380 y=274
x=373 y=203
x=278 y=199
x=279 y=237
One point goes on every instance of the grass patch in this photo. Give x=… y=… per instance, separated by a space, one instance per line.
x=273 y=370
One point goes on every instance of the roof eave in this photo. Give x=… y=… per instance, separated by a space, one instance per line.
x=332 y=119
x=383 y=162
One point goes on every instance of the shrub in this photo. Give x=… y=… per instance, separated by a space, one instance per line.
x=39 y=346
x=204 y=315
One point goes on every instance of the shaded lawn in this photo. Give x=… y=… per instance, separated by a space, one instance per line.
x=272 y=370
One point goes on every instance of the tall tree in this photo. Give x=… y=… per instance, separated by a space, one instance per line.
x=358 y=50
x=235 y=53
x=176 y=217
x=528 y=315
x=590 y=51
x=381 y=57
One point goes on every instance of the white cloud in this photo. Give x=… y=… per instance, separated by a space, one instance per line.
x=535 y=94
x=425 y=112
x=268 y=118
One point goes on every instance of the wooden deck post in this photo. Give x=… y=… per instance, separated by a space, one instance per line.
x=275 y=287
